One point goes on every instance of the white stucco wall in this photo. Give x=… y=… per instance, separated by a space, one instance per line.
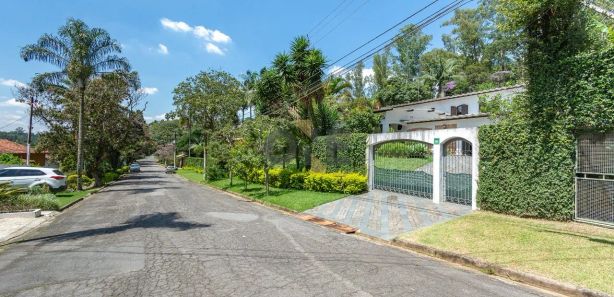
x=429 y=136
x=421 y=111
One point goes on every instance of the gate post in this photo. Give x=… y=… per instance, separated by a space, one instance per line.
x=370 y=166
x=475 y=172
x=436 y=173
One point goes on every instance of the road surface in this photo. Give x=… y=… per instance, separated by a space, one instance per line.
x=153 y=234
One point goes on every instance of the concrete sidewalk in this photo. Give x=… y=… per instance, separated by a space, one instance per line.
x=386 y=215
x=14 y=227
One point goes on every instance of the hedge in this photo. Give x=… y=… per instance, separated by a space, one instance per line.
x=340 y=152
x=337 y=182
x=527 y=159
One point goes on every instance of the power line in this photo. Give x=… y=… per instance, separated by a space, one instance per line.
x=326 y=17
x=342 y=21
x=345 y=69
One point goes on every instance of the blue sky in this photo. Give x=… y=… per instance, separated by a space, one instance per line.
x=167 y=41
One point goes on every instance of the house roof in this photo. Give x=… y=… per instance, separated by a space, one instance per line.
x=7 y=146
x=387 y=108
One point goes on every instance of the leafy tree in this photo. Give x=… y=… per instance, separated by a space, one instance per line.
x=440 y=67
x=82 y=54
x=214 y=99
x=260 y=135
x=381 y=69
x=357 y=80
x=469 y=33
x=410 y=47
x=398 y=91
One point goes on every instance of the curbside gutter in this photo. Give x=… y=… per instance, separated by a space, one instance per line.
x=490 y=268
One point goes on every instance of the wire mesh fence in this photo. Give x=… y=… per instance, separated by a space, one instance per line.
x=404 y=167
x=595 y=178
x=456 y=171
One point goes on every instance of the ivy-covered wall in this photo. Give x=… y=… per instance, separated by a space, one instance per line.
x=527 y=159
x=340 y=152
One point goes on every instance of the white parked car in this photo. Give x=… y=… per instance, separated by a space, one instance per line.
x=30 y=177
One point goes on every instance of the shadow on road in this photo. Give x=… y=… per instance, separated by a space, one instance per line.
x=158 y=220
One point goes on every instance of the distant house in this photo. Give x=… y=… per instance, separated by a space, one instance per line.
x=458 y=111
x=19 y=150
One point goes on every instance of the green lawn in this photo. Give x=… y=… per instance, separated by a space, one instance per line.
x=570 y=252
x=67 y=197
x=296 y=200
x=401 y=163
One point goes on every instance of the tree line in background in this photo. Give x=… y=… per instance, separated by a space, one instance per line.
x=90 y=105
x=214 y=111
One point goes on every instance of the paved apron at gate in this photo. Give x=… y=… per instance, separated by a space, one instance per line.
x=386 y=215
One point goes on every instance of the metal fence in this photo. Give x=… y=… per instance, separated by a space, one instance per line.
x=456 y=169
x=404 y=167
x=595 y=178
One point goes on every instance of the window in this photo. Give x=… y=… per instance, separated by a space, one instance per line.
x=29 y=172
x=58 y=172
x=8 y=172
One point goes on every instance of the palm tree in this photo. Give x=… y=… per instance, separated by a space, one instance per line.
x=439 y=67
x=82 y=54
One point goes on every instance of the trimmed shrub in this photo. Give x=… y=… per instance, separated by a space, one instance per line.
x=71 y=181
x=348 y=183
x=297 y=180
x=338 y=182
x=32 y=201
x=403 y=149
x=109 y=177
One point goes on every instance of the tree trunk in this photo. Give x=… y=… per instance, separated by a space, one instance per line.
x=297 y=158
x=440 y=92
x=230 y=174
x=80 y=139
x=205 y=157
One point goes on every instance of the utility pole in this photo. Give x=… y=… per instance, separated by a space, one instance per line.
x=175 y=149
x=30 y=132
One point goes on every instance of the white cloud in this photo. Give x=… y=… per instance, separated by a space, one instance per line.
x=220 y=37
x=148 y=90
x=162 y=49
x=336 y=70
x=13 y=103
x=209 y=35
x=367 y=72
x=159 y=117
x=214 y=49
x=11 y=83
x=175 y=26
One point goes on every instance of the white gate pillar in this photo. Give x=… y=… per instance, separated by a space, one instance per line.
x=475 y=172
x=436 y=173
x=370 y=166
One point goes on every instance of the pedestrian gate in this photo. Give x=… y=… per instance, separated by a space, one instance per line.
x=456 y=171
x=595 y=178
x=404 y=166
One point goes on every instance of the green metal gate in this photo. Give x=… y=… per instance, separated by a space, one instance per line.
x=404 y=166
x=456 y=171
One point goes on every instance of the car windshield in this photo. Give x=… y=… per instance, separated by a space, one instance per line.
x=134 y=165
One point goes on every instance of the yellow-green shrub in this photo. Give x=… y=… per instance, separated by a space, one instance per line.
x=71 y=181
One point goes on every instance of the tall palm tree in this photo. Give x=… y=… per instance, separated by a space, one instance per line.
x=82 y=54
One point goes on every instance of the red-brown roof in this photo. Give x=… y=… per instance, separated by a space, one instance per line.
x=7 y=146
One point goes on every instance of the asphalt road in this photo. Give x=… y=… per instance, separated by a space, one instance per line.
x=153 y=234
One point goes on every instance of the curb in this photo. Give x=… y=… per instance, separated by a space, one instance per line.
x=80 y=199
x=494 y=269
x=302 y=216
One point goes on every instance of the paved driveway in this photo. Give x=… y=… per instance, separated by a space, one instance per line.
x=386 y=215
x=156 y=235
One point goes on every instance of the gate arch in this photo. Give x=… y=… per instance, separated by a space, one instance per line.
x=404 y=166
x=438 y=140
x=456 y=171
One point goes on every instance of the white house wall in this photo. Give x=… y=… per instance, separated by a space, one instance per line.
x=421 y=111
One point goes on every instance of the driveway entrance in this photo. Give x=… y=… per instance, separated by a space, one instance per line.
x=386 y=215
